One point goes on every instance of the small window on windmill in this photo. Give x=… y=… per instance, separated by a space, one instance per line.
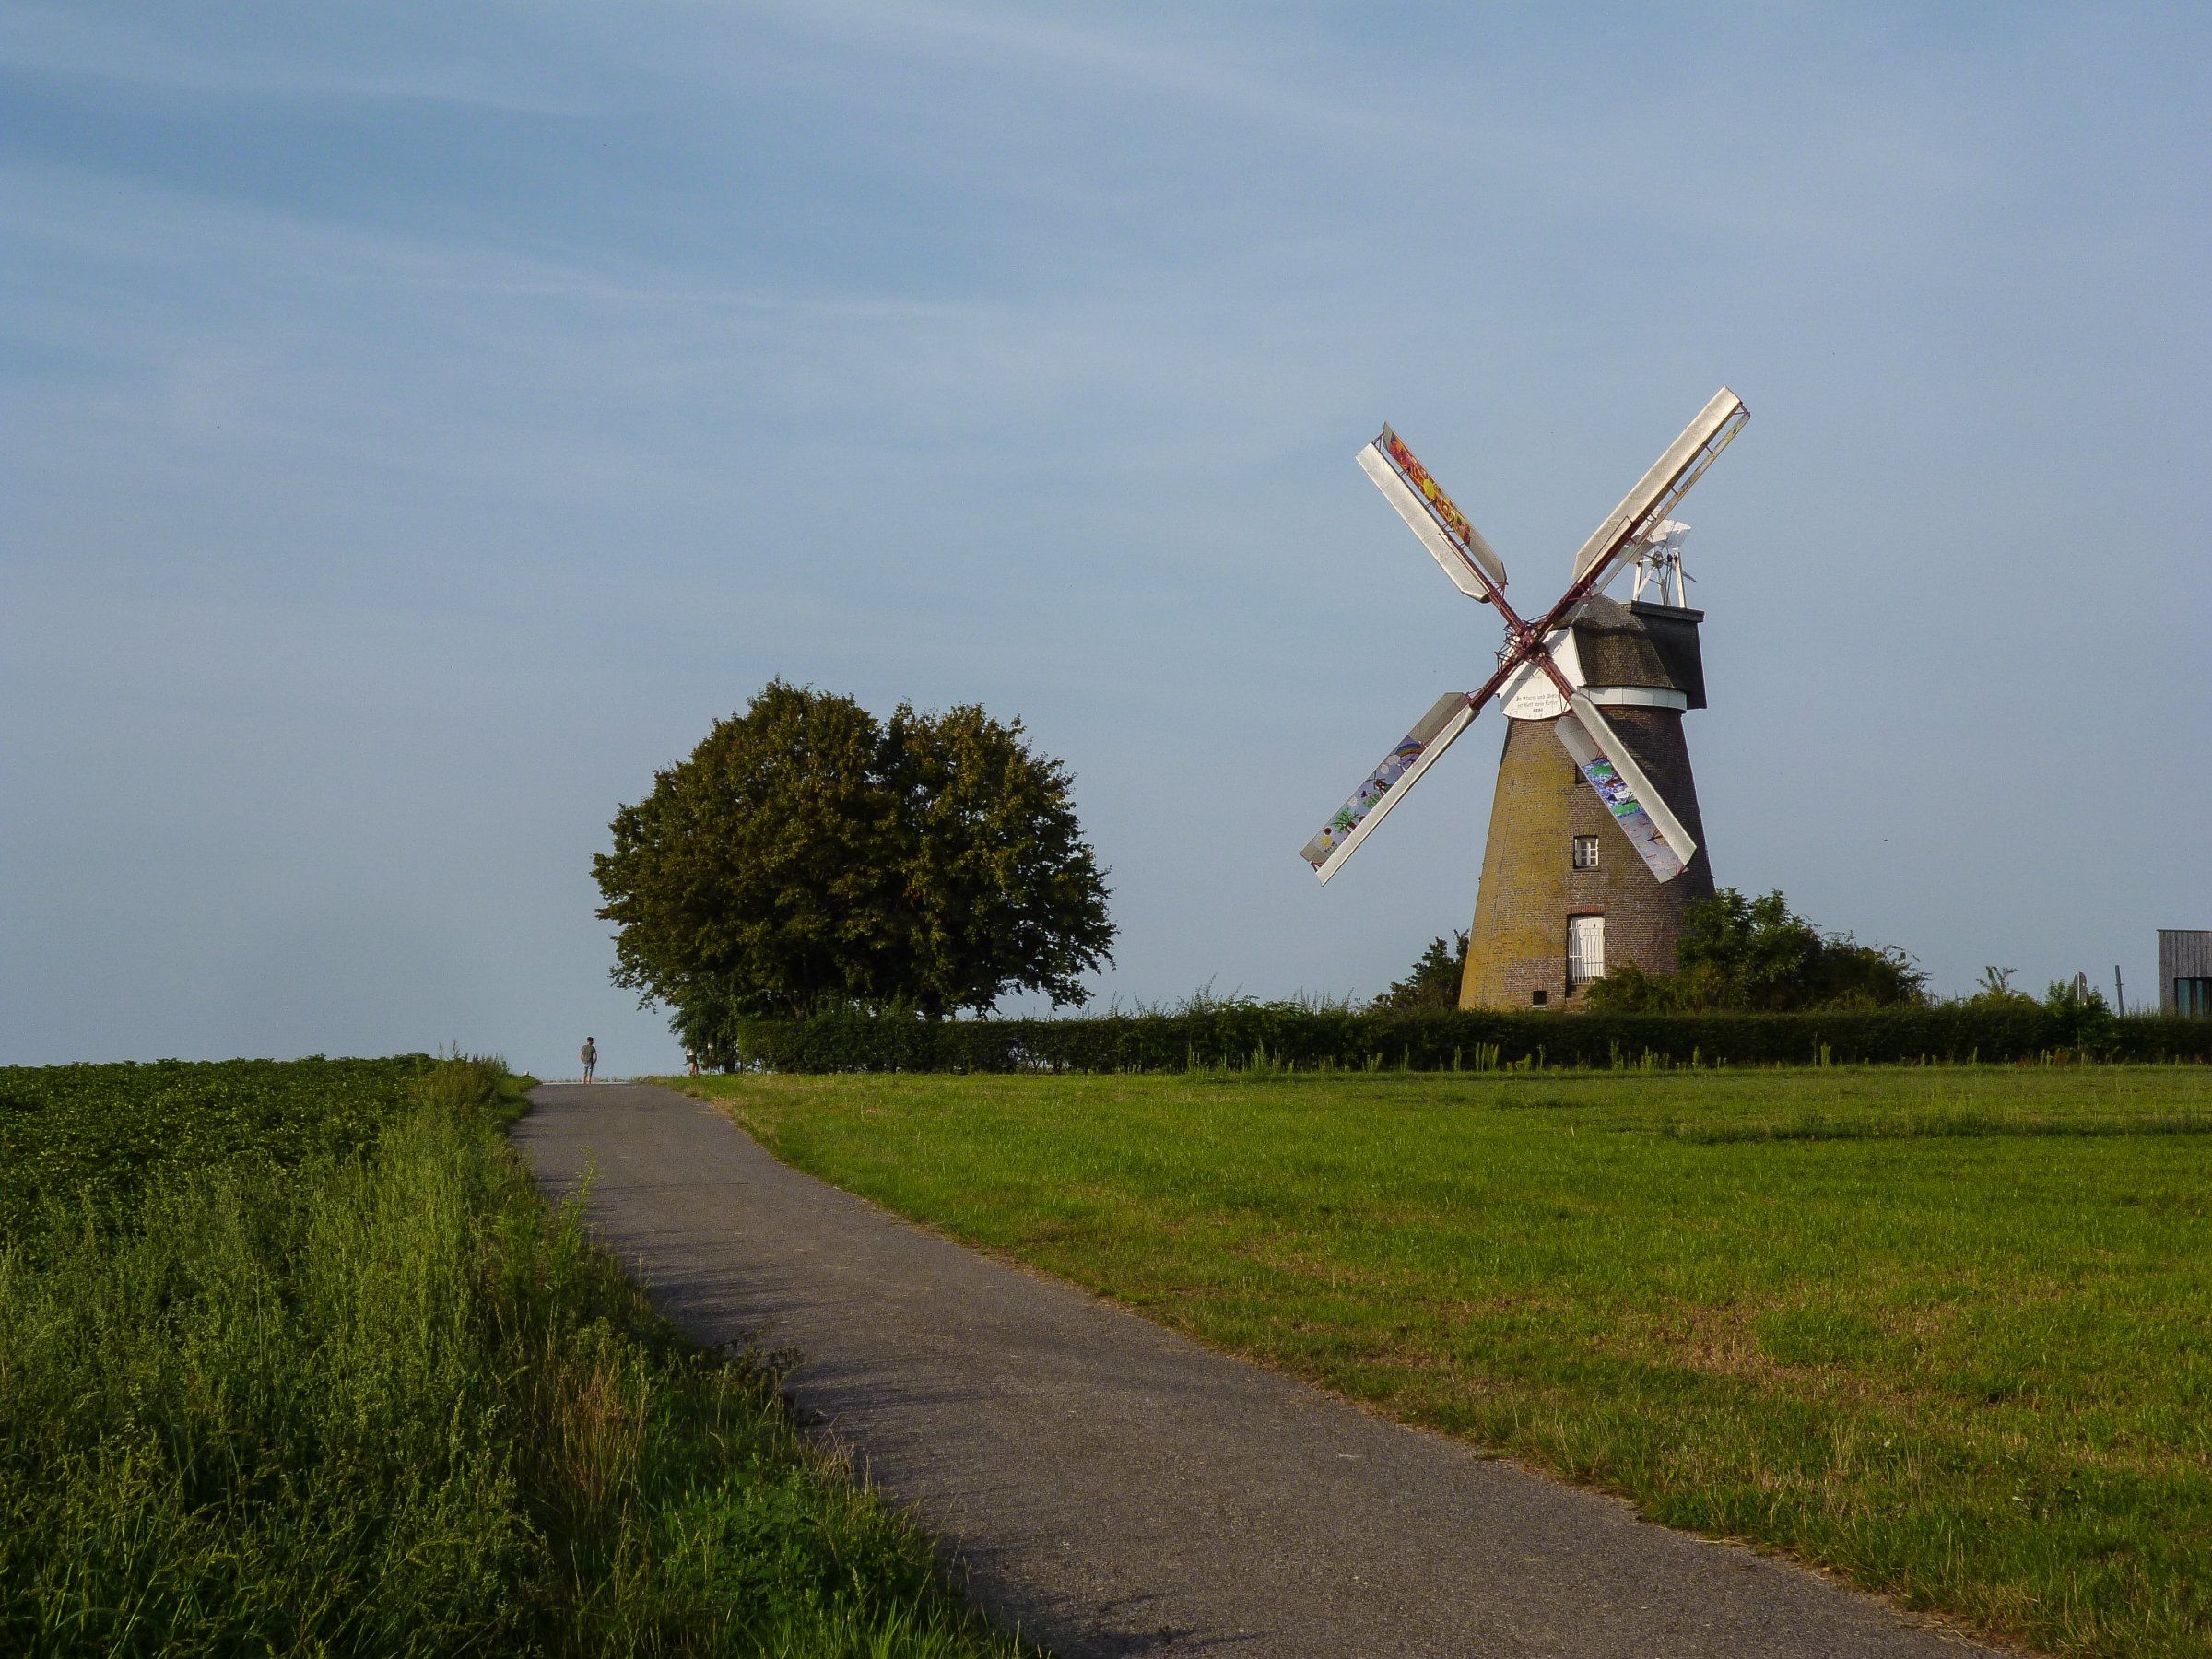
x=1585 y=851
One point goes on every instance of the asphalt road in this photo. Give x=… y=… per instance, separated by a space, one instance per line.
x=1113 y=1488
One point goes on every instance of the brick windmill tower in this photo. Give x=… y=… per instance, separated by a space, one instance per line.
x=1594 y=851
x=1561 y=896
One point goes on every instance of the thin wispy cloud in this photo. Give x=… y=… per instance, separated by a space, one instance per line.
x=1212 y=70
x=141 y=48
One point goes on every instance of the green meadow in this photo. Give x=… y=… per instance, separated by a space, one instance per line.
x=293 y=1359
x=1946 y=1330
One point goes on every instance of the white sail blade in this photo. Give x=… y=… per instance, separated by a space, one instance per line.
x=1655 y=831
x=1668 y=481
x=1473 y=565
x=1387 y=784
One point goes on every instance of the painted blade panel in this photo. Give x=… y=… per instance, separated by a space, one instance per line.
x=1471 y=562
x=1387 y=785
x=1446 y=513
x=1651 y=828
x=1464 y=574
x=1668 y=482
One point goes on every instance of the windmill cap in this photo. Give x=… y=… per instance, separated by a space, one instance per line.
x=1649 y=645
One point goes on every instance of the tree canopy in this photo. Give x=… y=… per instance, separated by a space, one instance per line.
x=1432 y=982
x=1757 y=954
x=808 y=854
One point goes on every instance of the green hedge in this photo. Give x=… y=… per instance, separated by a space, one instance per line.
x=1244 y=1034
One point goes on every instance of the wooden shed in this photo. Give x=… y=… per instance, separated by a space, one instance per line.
x=2185 y=972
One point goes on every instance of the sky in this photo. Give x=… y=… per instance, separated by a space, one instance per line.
x=420 y=424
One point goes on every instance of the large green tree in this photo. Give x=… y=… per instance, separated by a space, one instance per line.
x=808 y=853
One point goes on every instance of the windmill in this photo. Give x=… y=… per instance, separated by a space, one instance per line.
x=1540 y=919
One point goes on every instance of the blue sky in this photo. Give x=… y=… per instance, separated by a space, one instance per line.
x=423 y=422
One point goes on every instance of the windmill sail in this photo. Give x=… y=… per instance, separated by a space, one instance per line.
x=1668 y=481
x=1653 y=831
x=1473 y=565
x=1387 y=784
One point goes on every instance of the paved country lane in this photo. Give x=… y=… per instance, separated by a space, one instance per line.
x=1113 y=1488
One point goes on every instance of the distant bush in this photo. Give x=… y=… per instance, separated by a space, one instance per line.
x=1757 y=955
x=1995 y=991
x=1206 y=1034
x=1432 y=981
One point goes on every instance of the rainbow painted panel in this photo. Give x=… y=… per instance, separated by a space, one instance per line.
x=1446 y=513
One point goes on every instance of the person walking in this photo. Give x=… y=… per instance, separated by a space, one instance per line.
x=589 y=1054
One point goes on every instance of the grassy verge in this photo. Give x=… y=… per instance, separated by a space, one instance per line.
x=369 y=1394
x=1948 y=1330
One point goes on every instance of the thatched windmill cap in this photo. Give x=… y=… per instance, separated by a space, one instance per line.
x=1639 y=644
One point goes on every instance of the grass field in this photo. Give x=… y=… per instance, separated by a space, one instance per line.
x=293 y=1359
x=1948 y=1330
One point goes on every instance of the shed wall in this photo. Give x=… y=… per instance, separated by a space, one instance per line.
x=2183 y=953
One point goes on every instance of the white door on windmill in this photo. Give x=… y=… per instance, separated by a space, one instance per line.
x=1585 y=950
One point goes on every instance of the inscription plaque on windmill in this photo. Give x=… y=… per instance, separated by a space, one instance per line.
x=1594 y=767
